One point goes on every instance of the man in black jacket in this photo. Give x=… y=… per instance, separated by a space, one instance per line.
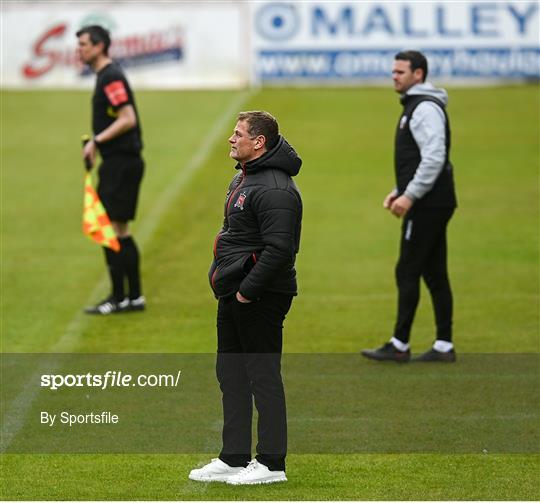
x=425 y=198
x=253 y=277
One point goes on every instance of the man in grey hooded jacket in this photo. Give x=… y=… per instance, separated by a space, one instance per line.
x=425 y=198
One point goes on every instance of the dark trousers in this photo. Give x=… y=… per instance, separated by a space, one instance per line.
x=423 y=253
x=248 y=367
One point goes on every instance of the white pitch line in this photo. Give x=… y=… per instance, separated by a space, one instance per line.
x=15 y=418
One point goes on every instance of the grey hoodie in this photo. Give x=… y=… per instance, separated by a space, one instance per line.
x=428 y=128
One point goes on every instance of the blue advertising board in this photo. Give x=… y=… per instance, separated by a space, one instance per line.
x=357 y=40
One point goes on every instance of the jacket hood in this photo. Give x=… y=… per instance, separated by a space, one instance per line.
x=428 y=89
x=282 y=157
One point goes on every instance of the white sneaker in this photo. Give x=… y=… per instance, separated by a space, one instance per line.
x=256 y=473
x=215 y=471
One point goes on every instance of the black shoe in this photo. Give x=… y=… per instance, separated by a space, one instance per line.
x=138 y=304
x=433 y=355
x=387 y=352
x=108 y=306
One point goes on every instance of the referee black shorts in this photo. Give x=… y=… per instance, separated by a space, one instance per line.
x=118 y=188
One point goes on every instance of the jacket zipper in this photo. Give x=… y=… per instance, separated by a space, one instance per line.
x=228 y=206
x=212 y=280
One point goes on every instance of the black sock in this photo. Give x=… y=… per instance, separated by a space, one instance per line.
x=116 y=272
x=130 y=258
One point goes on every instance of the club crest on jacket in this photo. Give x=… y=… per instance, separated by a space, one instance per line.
x=240 y=201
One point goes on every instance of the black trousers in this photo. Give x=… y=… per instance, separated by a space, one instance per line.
x=423 y=253
x=250 y=338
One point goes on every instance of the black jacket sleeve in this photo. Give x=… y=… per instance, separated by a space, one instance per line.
x=278 y=212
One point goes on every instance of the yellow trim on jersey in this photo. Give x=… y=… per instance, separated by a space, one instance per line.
x=111 y=112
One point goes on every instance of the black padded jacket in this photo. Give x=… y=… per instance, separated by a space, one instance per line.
x=256 y=248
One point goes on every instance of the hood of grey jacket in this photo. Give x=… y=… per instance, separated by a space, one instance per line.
x=428 y=89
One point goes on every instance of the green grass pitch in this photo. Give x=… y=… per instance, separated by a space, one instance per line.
x=345 y=268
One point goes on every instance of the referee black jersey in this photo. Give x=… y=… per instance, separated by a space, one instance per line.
x=112 y=92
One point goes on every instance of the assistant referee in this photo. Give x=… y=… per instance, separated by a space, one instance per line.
x=117 y=137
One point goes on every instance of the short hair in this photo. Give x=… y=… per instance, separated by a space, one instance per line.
x=416 y=59
x=261 y=123
x=97 y=35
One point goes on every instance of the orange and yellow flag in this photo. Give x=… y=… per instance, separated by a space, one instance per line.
x=96 y=223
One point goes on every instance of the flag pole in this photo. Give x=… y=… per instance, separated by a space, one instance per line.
x=95 y=222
